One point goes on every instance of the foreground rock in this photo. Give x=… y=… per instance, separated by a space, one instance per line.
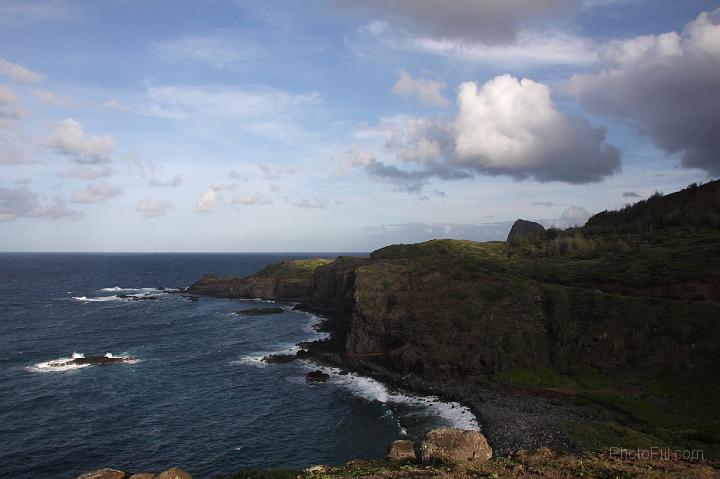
x=172 y=473
x=402 y=451
x=317 y=376
x=104 y=474
x=259 y=311
x=455 y=446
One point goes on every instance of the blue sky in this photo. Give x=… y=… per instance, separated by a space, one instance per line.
x=339 y=125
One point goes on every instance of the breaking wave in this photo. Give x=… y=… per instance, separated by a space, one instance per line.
x=453 y=413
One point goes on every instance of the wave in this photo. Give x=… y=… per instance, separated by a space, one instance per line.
x=149 y=290
x=255 y=359
x=85 y=299
x=311 y=334
x=453 y=413
x=66 y=364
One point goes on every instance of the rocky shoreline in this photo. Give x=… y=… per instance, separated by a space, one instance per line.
x=512 y=420
x=447 y=453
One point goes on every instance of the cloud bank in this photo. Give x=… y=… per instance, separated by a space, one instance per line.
x=21 y=202
x=666 y=86
x=487 y=21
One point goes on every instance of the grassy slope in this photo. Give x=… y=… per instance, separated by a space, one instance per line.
x=294 y=268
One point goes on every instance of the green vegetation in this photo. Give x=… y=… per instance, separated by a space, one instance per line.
x=266 y=474
x=294 y=269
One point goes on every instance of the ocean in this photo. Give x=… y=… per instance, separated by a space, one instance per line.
x=196 y=396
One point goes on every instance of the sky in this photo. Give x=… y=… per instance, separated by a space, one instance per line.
x=340 y=125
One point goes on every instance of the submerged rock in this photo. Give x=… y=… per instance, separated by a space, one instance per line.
x=455 y=446
x=259 y=311
x=130 y=297
x=143 y=475
x=105 y=473
x=402 y=451
x=317 y=376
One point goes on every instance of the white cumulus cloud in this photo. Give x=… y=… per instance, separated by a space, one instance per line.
x=69 y=139
x=511 y=126
x=507 y=126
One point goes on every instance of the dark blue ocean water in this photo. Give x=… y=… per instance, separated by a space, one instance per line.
x=197 y=398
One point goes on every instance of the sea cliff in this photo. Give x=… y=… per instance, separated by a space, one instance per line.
x=594 y=337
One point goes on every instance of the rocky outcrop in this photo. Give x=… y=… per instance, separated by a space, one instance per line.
x=317 y=376
x=402 y=451
x=287 y=280
x=525 y=229
x=455 y=446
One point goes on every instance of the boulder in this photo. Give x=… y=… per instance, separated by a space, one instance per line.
x=104 y=474
x=455 y=446
x=174 y=473
x=402 y=451
x=525 y=229
x=317 y=376
x=259 y=311
x=143 y=475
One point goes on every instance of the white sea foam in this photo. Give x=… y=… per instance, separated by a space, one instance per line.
x=96 y=299
x=453 y=413
x=66 y=364
x=149 y=290
x=255 y=359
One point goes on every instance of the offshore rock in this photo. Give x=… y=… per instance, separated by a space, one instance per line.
x=278 y=358
x=93 y=360
x=455 y=446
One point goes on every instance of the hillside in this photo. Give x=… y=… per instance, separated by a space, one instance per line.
x=612 y=330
